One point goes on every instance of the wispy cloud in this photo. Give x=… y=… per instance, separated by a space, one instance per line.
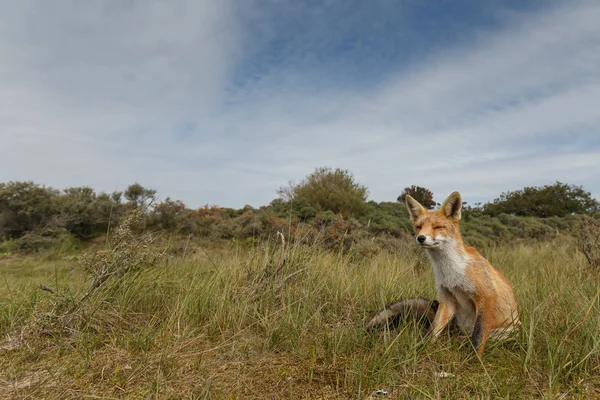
x=224 y=102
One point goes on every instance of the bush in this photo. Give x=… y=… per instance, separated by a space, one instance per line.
x=126 y=255
x=423 y=195
x=85 y=214
x=299 y=208
x=338 y=232
x=139 y=196
x=172 y=216
x=588 y=235
x=559 y=199
x=333 y=190
x=386 y=218
x=24 y=206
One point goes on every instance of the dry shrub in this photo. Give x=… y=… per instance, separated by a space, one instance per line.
x=127 y=253
x=109 y=271
x=588 y=236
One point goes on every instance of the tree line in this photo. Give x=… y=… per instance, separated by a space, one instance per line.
x=33 y=215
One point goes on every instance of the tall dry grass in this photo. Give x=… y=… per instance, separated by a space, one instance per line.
x=285 y=321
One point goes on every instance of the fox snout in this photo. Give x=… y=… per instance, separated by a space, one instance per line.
x=429 y=240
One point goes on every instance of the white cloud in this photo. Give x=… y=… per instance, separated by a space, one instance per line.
x=98 y=95
x=501 y=107
x=92 y=92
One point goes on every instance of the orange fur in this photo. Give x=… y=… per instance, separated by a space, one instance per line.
x=471 y=291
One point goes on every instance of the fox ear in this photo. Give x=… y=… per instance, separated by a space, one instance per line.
x=452 y=206
x=415 y=209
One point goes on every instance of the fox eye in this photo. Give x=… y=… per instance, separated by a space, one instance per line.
x=419 y=227
x=439 y=227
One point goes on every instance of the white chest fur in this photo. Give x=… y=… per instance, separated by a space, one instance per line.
x=449 y=267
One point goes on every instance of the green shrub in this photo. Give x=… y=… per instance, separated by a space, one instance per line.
x=85 y=214
x=172 y=216
x=24 y=206
x=423 y=195
x=558 y=199
x=386 y=218
x=328 y=189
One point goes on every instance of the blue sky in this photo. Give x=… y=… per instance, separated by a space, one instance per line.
x=224 y=102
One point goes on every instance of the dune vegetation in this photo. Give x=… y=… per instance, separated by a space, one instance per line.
x=281 y=320
x=276 y=307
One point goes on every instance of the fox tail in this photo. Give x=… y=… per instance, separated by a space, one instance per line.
x=416 y=309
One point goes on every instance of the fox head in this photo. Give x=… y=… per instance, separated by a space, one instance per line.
x=436 y=228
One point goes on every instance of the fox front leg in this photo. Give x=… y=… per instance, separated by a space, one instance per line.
x=444 y=314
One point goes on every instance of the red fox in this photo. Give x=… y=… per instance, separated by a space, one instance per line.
x=472 y=294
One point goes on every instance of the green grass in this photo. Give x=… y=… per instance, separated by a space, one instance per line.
x=233 y=321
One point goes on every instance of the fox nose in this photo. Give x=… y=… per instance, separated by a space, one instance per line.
x=421 y=239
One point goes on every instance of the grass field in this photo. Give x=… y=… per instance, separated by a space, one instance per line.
x=271 y=321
